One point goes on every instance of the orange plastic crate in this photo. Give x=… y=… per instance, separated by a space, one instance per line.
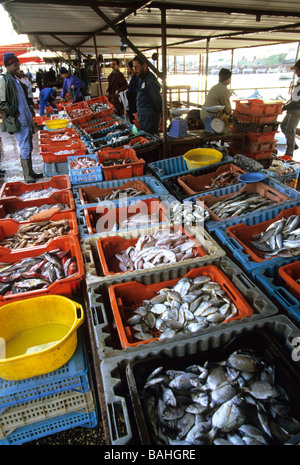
x=102 y=113
x=260 y=137
x=257 y=119
x=109 y=246
x=102 y=219
x=66 y=286
x=53 y=155
x=257 y=107
x=15 y=189
x=87 y=194
x=291 y=274
x=127 y=170
x=95 y=129
x=254 y=155
x=126 y=297
x=86 y=116
x=94 y=123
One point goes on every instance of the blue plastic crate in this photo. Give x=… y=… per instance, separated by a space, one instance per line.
x=154 y=185
x=53 y=169
x=80 y=176
x=45 y=428
x=176 y=166
x=294 y=200
x=268 y=277
x=291 y=179
x=71 y=376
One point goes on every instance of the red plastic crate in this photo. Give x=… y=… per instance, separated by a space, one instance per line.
x=102 y=219
x=109 y=246
x=87 y=116
x=15 y=189
x=66 y=286
x=10 y=227
x=257 y=119
x=10 y=205
x=260 y=138
x=127 y=297
x=93 y=123
x=54 y=157
x=257 y=107
x=95 y=129
x=254 y=155
x=103 y=113
x=87 y=194
x=127 y=170
x=290 y=274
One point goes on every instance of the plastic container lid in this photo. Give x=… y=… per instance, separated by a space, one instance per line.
x=252 y=177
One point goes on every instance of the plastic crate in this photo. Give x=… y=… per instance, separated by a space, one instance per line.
x=102 y=113
x=290 y=274
x=192 y=184
x=11 y=204
x=15 y=189
x=260 y=138
x=86 y=116
x=10 y=227
x=79 y=148
x=85 y=175
x=254 y=155
x=290 y=179
x=65 y=286
x=44 y=136
x=127 y=170
x=127 y=297
x=255 y=128
x=101 y=129
x=95 y=122
x=256 y=119
x=257 y=107
x=54 y=169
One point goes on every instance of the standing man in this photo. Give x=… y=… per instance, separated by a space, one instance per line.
x=47 y=97
x=16 y=113
x=72 y=85
x=82 y=73
x=219 y=95
x=290 y=121
x=132 y=90
x=148 y=100
x=40 y=79
x=116 y=83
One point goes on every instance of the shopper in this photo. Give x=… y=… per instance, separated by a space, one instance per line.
x=82 y=73
x=16 y=113
x=47 y=97
x=40 y=79
x=132 y=90
x=290 y=121
x=116 y=83
x=72 y=85
x=219 y=95
x=148 y=100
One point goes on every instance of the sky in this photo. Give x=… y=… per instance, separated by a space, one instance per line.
x=7 y=33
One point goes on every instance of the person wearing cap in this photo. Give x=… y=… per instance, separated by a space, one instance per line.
x=291 y=120
x=17 y=113
x=72 y=85
x=219 y=95
x=47 y=97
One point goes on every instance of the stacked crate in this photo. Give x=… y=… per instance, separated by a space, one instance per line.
x=258 y=121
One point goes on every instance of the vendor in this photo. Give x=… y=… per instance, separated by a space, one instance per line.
x=219 y=95
x=72 y=85
x=47 y=97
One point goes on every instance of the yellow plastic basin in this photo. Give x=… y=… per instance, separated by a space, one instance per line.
x=56 y=123
x=196 y=158
x=37 y=335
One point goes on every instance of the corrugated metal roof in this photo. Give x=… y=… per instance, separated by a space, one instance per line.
x=65 y=25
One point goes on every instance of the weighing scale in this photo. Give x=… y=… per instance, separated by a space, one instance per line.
x=213 y=122
x=178 y=126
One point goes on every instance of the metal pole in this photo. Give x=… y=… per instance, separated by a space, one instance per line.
x=206 y=65
x=97 y=66
x=164 y=79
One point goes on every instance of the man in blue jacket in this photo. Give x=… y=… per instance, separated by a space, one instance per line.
x=47 y=97
x=72 y=85
x=148 y=100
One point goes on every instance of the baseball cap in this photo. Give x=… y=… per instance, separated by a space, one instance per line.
x=296 y=65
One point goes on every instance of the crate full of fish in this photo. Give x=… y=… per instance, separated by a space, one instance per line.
x=117 y=190
x=15 y=235
x=258 y=107
x=55 y=268
x=35 y=190
x=36 y=209
x=61 y=154
x=78 y=113
x=58 y=136
x=95 y=123
x=232 y=409
x=288 y=173
x=120 y=164
x=84 y=169
x=104 y=333
x=268 y=241
x=104 y=125
x=244 y=200
x=224 y=176
x=100 y=106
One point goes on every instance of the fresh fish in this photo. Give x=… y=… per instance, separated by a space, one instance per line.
x=240 y=203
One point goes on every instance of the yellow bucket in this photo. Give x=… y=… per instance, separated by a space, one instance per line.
x=37 y=335
x=56 y=123
x=196 y=158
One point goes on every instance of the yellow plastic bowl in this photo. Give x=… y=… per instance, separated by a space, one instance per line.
x=56 y=123
x=37 y=335
x=196 y=158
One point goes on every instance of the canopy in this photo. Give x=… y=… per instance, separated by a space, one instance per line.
x=17 y=49
x=35 y=56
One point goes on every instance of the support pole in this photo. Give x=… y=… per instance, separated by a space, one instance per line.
x=164 y=79
x=97 y=65
x=206 y=65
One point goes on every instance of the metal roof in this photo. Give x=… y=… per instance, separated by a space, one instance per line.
x=67 y=26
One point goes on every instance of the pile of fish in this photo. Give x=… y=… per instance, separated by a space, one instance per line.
x=62 y=137
x=280 y=168
x=281 y=238
x=233 y=402
x=77 y=112
x=187 y=307
x=36 y=272
x=82 y=162
x=25 y=213
x=239 y=204
x=187 y=213
x=65 y=152
x=227 y=178
x=117 y=161
x=36 y=194
x=137 y=221
x=160 y=248
x=34 y=234
x=96 y=107
x=119 y=193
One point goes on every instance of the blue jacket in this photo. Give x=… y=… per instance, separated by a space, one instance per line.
x=149 y=103
x=46 y=99
x=75 y=94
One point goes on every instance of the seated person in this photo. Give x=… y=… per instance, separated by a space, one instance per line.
x=194 y=120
